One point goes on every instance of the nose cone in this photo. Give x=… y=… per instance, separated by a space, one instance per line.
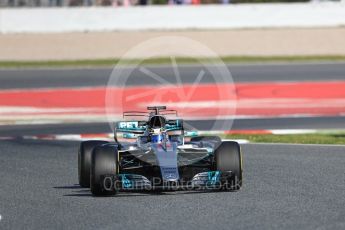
x=167 y=159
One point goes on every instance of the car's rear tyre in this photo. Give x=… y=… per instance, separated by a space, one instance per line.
x=229 y=158
x=104 y=162
x=84 y=161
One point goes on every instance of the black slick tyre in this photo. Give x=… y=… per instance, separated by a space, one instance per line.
x=228 y=158
x=84 y=161
x=103 y=162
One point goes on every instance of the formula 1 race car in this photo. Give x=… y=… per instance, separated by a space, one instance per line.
x=160 y=155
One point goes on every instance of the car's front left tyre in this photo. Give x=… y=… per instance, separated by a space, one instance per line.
x=229 y=159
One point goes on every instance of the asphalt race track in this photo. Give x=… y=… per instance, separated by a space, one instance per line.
x=285 y=187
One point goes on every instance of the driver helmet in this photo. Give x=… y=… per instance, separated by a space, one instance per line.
x=157 y=125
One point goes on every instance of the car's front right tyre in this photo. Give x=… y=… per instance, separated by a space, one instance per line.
x=104 y=162
x=84 y=161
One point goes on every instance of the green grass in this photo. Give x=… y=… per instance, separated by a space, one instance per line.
x=165 y=60
x=317 y=138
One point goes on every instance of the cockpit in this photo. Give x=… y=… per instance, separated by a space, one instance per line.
x=156 y=126
x=156 y=122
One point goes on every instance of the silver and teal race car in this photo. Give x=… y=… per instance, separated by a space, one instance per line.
x=156 y=153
